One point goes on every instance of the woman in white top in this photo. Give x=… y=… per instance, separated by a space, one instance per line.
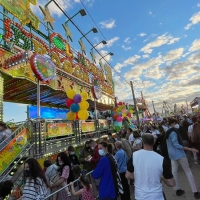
x=36 y=187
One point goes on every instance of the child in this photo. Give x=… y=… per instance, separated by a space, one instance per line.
x=86 y=192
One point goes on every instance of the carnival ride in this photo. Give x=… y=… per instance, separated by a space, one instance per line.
x=37 y=67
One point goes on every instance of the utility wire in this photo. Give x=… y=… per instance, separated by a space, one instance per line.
x=77 y=27
x=106 y=40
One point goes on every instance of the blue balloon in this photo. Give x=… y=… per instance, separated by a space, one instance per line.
x=120 y=113
x=116 y=123
x=74 y=107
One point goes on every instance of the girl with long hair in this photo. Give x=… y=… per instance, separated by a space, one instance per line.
x=63 y=172
x=36 y=185
x=86 y=192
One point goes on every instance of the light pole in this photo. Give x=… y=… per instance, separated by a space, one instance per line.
x=135 y=106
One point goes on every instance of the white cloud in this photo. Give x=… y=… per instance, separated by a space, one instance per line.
x=127 y=40
x=153 y=73
x=126 y=48
x=159 y=41
x=137 y=69
x=112 y=41
x=109 y=24
x=129 y=61
x=173 y=54
x=142 y=34
x=194 y=58
x=145 y=56
x=198 y=4
x=195 y=19
x=109 y=43
x=195 y=45
x=150 y=12
x=172 y=41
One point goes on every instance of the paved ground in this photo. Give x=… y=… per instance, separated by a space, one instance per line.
x=170 y=193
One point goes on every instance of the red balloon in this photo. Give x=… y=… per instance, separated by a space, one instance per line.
x=120 y=103
x=77 y=116
x=69 y=102
x=115 y=116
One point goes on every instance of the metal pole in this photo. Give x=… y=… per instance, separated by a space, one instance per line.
x=38 y=98
x=135 y=106
x=154 y=110
x=95 y=109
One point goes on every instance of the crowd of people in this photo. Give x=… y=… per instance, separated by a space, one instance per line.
x=142 y=156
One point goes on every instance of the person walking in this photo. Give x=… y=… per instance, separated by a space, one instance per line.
x=122 y=159
x=177 y=155
x=147 y=168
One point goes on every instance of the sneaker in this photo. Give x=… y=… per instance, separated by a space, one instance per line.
x=197 y=195
x=180 y=192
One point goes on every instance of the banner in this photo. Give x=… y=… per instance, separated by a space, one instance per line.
x=59 y=129
x=103 y=124
x=87 y=127
x=13 y=149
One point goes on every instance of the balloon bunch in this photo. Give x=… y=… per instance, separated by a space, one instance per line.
x=77 y=104
x=119 y=113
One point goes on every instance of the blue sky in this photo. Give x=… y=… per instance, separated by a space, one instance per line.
x=155 y=44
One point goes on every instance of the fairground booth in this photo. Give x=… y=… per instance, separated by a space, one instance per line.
x=38 y=67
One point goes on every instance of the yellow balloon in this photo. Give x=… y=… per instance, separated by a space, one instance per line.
x=83 y=114
x=131 y=111
x=123 y=114
x=71 y=116
x=118 y=110
x=70 y=93
x=84 y=95
x=84 y=105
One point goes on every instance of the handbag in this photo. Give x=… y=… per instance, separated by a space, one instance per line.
x=55 y=178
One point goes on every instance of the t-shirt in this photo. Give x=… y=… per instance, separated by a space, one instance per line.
x=131 y=138
x=148 y=168
x=34 y=191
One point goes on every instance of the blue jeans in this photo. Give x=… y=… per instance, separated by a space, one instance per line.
x=107 y=198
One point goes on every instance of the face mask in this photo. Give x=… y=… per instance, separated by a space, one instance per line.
x=60 y=163
x=116 y=139
x=26 y=172
x=72 y=153
x=101 y=152
x=92 y=148
x=176 y=126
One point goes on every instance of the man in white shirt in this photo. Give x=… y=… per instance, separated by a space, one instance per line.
x=148 y=168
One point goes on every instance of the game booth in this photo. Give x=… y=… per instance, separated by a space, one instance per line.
x=38 y=67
